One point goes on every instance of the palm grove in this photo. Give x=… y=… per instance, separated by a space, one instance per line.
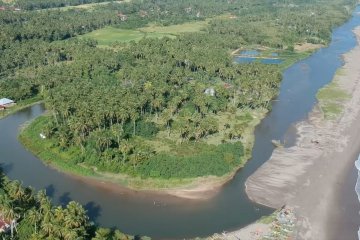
x=149 y=108
x=38 y=219
x=109 y=105
x=155 y=108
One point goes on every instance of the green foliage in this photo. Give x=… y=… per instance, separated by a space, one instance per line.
x=109 y=106
x=39 y=219
x=43 y=4
x=146 y=129
x=210 y=160
x=331 y=98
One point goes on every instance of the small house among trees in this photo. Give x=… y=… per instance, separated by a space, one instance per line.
x=5 y=103
x=122 y=17
x=4 y=226
x=210 y=92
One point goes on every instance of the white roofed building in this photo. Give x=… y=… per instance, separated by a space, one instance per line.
x=6 y=102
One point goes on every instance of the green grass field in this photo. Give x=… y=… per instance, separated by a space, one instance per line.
x=109 y=35
x=88 y=6
x=176 y=29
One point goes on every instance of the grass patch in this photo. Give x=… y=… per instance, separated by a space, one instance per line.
x=176 y=29
x=291 y=58
x=269 y=218
x=20 y=105
x=331 y=99
x=110 y=35
x=87 y=6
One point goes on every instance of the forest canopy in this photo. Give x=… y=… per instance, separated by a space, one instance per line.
x=161 y=107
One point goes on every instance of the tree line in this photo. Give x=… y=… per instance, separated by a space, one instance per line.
x=35 y=217
x=45 y=4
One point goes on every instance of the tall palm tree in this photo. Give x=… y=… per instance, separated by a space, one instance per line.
x=34 y=217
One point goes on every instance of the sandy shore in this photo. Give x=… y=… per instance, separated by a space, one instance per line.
x=313 y=175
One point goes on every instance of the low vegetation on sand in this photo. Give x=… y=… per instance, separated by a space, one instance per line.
x=331 y=98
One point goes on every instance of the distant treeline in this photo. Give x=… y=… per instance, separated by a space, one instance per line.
x=43 y=4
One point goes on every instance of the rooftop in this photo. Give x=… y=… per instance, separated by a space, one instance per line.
x=5 y=101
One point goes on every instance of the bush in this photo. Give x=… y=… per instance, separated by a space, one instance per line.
x=210 y=160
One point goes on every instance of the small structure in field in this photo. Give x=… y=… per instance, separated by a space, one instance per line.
x=122 y=16
x=5 y=103
x=2 y=8
x=210 y=92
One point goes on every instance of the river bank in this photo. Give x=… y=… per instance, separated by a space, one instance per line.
x=200 y=188
x=19 y=106
x=310 y=176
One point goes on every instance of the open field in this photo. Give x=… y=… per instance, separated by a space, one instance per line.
x=109 y=35
x=176 y=29
x=88 y=6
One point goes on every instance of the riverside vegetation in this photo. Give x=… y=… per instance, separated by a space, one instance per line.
x=37 y=218
x=143 y=108
x=157 y=108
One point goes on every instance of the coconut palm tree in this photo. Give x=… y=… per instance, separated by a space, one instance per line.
x=34 y=217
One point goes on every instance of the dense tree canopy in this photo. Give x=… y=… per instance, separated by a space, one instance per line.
x=37 y=218
x=157 y=108
x=116 y=106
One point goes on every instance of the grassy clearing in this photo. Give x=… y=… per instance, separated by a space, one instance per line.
x=110 y=35
x=176 y=29
x=20 y=105
x=331 y=98
x=87 y=6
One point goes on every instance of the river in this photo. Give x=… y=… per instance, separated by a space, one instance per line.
x=166 y=217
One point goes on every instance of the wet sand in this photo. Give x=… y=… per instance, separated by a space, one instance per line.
x=316 y=175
